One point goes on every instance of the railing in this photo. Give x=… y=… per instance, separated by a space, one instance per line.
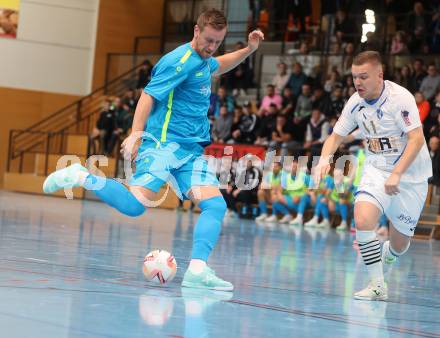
x=50 y=134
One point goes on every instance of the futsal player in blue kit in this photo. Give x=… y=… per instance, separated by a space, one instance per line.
x=172 y=117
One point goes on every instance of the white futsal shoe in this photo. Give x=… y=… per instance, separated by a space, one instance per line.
x=262 y=217
x=313 y=222
x=286 y=219
x=342 y=226
x=376 y=290
x=272 y=219
x=68 y=177
x=298 y=220
x=323 y=224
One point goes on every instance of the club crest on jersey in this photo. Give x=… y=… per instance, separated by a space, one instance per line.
x=405 y=116
x=379 y=114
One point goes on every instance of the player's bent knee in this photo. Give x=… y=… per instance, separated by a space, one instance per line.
x=363 y=222
x=215 y=206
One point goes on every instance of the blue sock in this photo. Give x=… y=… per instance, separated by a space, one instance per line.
x=318 y=206
x=115 y=194
x=303 y=203
x=208 y=227
x=263 y=207
x=343 y=209
x=278 y=207
x=324 y=210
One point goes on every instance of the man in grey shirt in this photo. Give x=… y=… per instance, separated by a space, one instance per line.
x=430 y=84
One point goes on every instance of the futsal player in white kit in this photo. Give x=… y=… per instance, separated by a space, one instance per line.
x=396 y=170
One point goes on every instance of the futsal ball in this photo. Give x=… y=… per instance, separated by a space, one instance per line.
x=159 y=267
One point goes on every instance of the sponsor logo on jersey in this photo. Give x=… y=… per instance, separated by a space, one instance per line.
x=379 y=114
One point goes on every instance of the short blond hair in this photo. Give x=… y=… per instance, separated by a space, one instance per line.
x=213 y=18
x=368 y=56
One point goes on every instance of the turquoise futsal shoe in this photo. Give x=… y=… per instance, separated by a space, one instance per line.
x=205 y=280
x=64 y=178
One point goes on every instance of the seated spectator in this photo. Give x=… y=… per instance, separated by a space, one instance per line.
x=267 y=190
x=144 y=74
x=403 y=77
x=435 y=29
x=289 y=102
x=398 y=44
x=432 y=121
x=422 y=106
x=282 y=136
x=221 y=98
x=418 y=75
x=347 y=59
x=332 y=81
x=297 y=79
x=434 y=151
x=103 y=130
x=345 y=28
x=281 y=78
x=418 y=25
x=346 y=84
x=245 y=129
x=303 y=107
x=311 y=63
x=321 y=100
x=337 y=103
x=317 y=132
x=271 y=98
x=240 y=78
x=268 y=122
x=430 y=84
x=123 y=122
x=129 y=99
x=221 y=129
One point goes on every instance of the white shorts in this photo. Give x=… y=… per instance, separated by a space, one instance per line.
x=403 y=210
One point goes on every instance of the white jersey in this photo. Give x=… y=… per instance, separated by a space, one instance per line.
x=385 y=124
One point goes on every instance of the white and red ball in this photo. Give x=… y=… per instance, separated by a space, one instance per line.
x=159 y=267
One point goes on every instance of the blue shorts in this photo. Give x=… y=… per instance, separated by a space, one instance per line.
x=182 y=166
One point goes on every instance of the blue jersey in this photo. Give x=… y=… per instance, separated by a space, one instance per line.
x=181 y=87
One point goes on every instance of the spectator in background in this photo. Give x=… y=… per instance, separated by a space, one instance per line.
x=403 y=78
x=241 y=77
x=398 y=44
x=268 y=124
x=430 y=84
x=103 y=130
x=347 y=59
x=432 y=120
x=311 y=63
x=221 y=129
x=435 y=31
x=434 y=152
x=297 y=79
x=422 y=106
x=246 y=127
x=417 y=76
x=317 y=132
x=271 y=98
x=282 y=136
x=123 y=122
x=280 y=80
x=321 y=100
x=144 y=74
x=304 y=103
x=337 y=103
x=332 y=81
x=418 y=26
x=249 y=178
x=345 y=29
x=129 y=99
x=221 y=98
x=289 y=102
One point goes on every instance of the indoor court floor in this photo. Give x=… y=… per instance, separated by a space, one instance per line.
x=73 y=269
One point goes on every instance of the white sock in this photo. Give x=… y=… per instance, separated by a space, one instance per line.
x=196 y=266
x=369 y=247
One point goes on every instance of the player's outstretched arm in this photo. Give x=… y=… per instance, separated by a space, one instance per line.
x=131 y=144
x=232 y=60
x=416 y=140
